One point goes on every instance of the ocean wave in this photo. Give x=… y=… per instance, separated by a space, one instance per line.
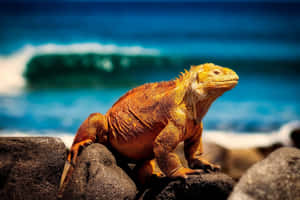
x=14 y=66
x=97 y=65
x=228 y=139
x=116 y=69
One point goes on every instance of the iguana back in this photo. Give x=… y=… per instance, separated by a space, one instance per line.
x=138 y=117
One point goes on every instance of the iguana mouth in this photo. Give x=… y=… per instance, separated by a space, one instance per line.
x=227 y=81
x=223 y=83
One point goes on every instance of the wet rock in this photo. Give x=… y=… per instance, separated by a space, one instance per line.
x=30 y=167
x=96 y=176
x=204 y=186
x=276 y=177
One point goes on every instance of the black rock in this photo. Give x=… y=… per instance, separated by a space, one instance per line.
x=205 y=186
x=295 y=137
x=30 y=167
x=277 y=177
x=96 y=176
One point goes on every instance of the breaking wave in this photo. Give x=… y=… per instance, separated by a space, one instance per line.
x=97 y=65
x=27 y=64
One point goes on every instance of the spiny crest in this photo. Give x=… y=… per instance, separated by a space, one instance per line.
x=184 y=76
x=184 y=83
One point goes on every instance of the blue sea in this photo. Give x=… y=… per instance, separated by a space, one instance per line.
x=62 y=60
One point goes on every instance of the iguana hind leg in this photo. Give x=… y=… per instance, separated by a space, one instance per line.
x=93 y=129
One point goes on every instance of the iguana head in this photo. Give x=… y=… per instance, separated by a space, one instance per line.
x=199 y=87
x=208 y=80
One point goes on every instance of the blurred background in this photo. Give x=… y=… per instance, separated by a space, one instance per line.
x=62 y=60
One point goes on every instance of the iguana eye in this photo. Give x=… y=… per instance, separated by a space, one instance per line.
x=216 y=71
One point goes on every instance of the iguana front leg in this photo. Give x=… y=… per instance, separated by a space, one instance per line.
x=164 y=145
x=193 y=150
x=93 y=129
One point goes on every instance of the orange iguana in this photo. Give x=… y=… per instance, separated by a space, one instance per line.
x=149 y=121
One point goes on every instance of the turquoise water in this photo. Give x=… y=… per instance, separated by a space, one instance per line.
x=59 y=62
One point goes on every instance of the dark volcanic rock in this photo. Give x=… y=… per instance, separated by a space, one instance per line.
x=205 y=186
x=295 y=137
x=30 y=167
x=275 y=178
x=97 y=176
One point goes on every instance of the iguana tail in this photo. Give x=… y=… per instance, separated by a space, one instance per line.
x=93 y=129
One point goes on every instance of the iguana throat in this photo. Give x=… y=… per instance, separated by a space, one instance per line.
x=198 y=108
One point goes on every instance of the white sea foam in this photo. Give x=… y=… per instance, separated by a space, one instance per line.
x=234 y=140
x=12 y=66
x=231 y=140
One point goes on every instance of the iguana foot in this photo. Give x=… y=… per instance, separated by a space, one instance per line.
x=93 y=129
x=70 y=163
x=183 y=172
x=76 y=149
x=205 y=165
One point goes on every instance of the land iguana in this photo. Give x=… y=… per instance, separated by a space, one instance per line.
x=149 y=121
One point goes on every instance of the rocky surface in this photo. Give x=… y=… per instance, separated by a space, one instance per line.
x=30 y=167
x=275 y=178
x=204 y=186
x=97 y=176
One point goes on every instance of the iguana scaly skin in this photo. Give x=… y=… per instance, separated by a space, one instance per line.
x=149 y=121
